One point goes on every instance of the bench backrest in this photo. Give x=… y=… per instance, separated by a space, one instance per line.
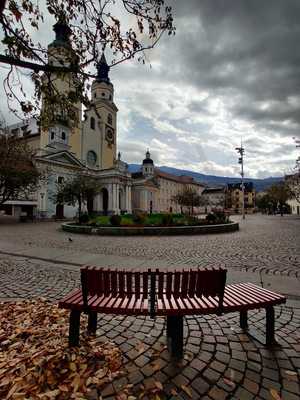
x=105 y=282
x=207 y=282
x=100 y=281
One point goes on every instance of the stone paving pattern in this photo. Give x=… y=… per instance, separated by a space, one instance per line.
x=220 y=361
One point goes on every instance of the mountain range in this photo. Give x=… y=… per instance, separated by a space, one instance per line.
x=212 y=180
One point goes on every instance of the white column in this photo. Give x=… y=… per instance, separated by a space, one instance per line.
x=129 y=207
x=117 y=207
x=110 y=197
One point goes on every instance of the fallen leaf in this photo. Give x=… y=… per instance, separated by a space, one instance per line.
x=229 y=382
x=275 y=394
x=187 y=391
x=291 y=373
x=174 y=392
x=158 y=385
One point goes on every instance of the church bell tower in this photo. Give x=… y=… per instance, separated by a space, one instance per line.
x=103 y=101
x=61 y=125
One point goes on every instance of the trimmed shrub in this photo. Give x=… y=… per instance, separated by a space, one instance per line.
x=115 y=220
x=139 y=218
x=211 y=218
x=167 y=219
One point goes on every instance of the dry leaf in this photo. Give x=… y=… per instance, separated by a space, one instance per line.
x=174 y=392
x=158 y=385
x=275 y=394
x=291 y=373
x=229 y=382
x=155 y=367
x=187 y=391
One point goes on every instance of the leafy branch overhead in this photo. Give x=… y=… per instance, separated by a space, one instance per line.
x=125 y=28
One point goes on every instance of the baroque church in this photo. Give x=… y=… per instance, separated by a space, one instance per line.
x=90 y=148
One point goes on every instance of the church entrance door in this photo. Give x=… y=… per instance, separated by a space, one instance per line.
x=105 y=200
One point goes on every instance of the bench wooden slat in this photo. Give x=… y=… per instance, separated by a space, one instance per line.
x=184 y=283
x=192 y=283
x=137 y=284
x=254 y=294
x=177 y=286
x=264 y=293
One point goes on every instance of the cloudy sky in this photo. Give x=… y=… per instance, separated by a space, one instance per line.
x=231 y=72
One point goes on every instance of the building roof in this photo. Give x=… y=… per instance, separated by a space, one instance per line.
x=175 y=178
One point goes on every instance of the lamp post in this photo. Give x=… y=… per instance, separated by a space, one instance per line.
x=241 y=152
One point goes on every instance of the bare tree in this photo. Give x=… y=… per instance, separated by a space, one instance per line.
x=19 y=176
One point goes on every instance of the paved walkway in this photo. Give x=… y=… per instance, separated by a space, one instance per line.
x=220 y=362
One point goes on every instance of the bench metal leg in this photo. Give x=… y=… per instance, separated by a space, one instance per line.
x=175 y=335
x=270 y=326
x=92 y=322
x=244 y=319
x=74 y=328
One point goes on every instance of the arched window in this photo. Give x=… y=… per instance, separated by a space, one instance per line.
x=52 y=135
x=109 y=119
x=91 y=158
x=92 y=123
x=63 y=135
x=60 y=179
x=103 y=94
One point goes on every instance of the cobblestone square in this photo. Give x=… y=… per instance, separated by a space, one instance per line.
x=220 y=360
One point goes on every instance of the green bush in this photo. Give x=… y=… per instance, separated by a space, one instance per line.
x=115 y=220
x=127 y=220
x=83 y=218
x=217 y=217
x=211 y=218
x=139 y=218
x=102 y=220
x=167 y=219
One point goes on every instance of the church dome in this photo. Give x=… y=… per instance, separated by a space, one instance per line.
x=148 y=160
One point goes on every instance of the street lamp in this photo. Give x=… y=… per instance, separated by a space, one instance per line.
x=241 y=152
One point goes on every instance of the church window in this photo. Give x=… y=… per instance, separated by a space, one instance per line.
x=110 y=98
x=95 y=95
x=91 y=158
x=92 y=123
x=63 y=135
x=103 y=94
x=60 y=179
x=52 y=135
x=109 y=119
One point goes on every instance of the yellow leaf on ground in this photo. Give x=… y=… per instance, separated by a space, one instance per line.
x=187 y=391
x=275 y=394
x=73 y=367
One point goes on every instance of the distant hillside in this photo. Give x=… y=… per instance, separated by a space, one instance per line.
x=212 y=180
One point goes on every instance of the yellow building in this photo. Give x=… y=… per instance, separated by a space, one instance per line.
x=234 y=197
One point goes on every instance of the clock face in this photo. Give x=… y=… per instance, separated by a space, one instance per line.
x=91 y=158
x=109 y=135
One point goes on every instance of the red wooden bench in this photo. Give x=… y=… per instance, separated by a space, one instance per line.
x=170 y=294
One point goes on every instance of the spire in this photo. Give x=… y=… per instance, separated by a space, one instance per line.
x=62 y=32
x=103 y=70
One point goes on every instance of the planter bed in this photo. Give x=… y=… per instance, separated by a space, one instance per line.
x=151 y=230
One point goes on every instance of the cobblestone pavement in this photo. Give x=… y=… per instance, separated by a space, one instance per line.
x=220 y=361
x=270 y=244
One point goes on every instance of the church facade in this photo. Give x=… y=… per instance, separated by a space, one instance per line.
x=89 y=147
